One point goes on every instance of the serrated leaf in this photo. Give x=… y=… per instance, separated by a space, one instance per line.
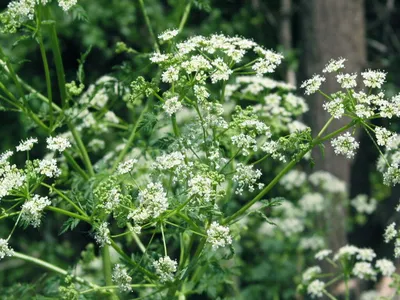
x=79 y=13
x=19 y=40
x=148 y=123
x=70 y=224
x=164 y=142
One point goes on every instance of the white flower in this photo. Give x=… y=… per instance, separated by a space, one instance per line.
x=322 y=254
x=385 y=266
x=10 y=178
x=27 y=144
x=111 y=117
x=222 y=71
x=126 y=166
x=392 y=175
x=293 y=179
x=312 y=243
x=172 y=105
x=312 y=202
x=218 y=236
x=373 y=79
x=347 y=81
x=158 y=57
x=170 y=75
x=312 y=85
x=102 y=234
x=153 y=202
x=165 y=268
x=361 y=204
x=334 y=65
x=245 y=142
x=57 y=143
x=121 y=277
x=346 y=252
x=365 y=254
x=168 y=34
x=310 y=273
x=390 y=232
x=345 y=144
x=246 y=176
x=5 y=249
x=32 y=210
x=5 y=156
x=201 y=186
x=315 y=289
x=169 y=161
x=335 y=108
x=382 y=136
x=66 y=5
x=49 y=168
x=364 y=270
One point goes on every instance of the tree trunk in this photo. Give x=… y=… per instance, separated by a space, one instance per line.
x=331 y=29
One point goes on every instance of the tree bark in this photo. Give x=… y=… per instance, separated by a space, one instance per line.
x=331 y=29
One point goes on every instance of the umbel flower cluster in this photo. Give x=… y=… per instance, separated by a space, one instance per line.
x=166 y=195
x=22 y=11
x=350 y=261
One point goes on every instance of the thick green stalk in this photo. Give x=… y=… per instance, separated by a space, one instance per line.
x=75 y=165
x=53 y=268
x=107 y=269
x=68 y=213
x=59 y=64
x=185 y=15
x=62 y=195
x=48 y=79
x=82 y=148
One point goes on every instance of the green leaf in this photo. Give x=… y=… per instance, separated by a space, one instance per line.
x=70 y=224
x=148 y=123
x=81 y=61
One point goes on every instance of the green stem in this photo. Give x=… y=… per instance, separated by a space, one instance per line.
x=115 y=287
x=75 y=165
x=48 y=79
x=185 y=15
x=53 y=268
x=325 y=127
x=130 y=261
x=131 y=138
x=62 y=195
x=136 y=238
x=68 y=213
x=148 y=24
x=175 y=125
x=59 y=64
x=107 y=269
x=82 y=148
x=163 y=238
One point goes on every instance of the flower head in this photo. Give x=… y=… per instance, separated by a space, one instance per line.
x=32 y=210
x=218 y=236
x=312 y=85
x=27 y=144
x=345 y=144
x=5 y=249
x=121 y=277
x=165 y=268
x=57 y=143
x=168 y=34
